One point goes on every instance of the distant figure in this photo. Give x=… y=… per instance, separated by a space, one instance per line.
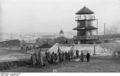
x=56 y=58
x=72 y=54
x=77 y=53
x=66 y=41
x=66 y=55
x=26 y=48
x=48 y=57
x=33 y=60
x=41 y=57
x=63 y=56
x=45 y=58
x=88 y=56
x=82 y=56
x=69 y=56
x=52 y=57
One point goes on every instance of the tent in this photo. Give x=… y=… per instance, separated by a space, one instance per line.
x=80 y=47
x=60 y=47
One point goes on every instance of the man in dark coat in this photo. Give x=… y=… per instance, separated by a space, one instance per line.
x=82 y=56
x=88 y=56
x=72 y=54
x=77 y=53
x=66 y=55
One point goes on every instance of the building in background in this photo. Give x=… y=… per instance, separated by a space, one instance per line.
x=61 y=33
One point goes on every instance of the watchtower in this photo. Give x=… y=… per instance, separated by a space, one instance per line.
x=85 y=18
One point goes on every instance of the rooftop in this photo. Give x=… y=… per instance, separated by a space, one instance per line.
x=84 y=10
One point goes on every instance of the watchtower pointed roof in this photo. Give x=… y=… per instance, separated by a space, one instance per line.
x=84 y=10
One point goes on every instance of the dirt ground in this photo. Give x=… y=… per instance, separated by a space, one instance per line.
x=97 y=64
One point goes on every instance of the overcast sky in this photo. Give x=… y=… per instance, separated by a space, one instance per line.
x=24 y=16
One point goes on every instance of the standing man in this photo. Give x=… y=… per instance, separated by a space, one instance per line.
x=88 y=56
x=77 y=53
x=33 y=60
x=82 y=56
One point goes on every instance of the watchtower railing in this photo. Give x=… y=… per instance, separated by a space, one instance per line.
x=85 y=18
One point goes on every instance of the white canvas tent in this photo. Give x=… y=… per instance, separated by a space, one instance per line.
x=54 y=48
x=60 y=47
x=80 y=47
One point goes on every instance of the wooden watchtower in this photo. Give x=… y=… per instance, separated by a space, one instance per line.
x=85 y=29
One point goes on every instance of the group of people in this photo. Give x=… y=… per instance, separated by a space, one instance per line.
x=37 y=59
x=54 y=58
x=83 y=56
